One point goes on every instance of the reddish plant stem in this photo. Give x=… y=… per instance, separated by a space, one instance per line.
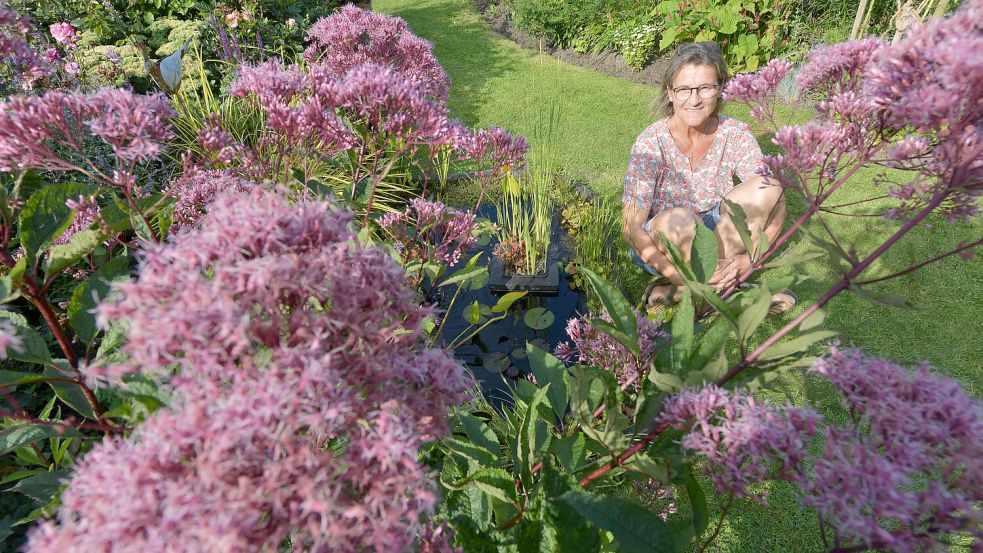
x=37 y=298
x=838 y=287
x=627 y=454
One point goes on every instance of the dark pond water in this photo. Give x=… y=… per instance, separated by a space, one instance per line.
x=497 y=355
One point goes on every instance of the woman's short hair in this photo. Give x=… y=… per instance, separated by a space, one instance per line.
x=691 y=53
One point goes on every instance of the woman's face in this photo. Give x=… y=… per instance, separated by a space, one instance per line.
x=695 y=110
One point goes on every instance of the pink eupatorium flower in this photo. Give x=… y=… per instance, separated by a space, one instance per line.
x=839 y=67
x=194 y=192
x=430 y=232
x=353 y=37
x=593 y=347
x=753 y=87
x=302 y=393
x=495 y=146
x=932 y=81
x=35 y=131
x=743 y=440
x=63 y=33
x=909 y=471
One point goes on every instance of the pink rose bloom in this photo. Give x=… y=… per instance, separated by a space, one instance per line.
x=51 y=54
x=63 y=33
x=72 y=68
x=232 y=19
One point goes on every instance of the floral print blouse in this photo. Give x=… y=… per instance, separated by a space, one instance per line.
x=659 y=175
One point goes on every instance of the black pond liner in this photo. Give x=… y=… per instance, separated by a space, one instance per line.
x=497 y=355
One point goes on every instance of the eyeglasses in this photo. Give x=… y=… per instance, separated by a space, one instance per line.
x=705 y=91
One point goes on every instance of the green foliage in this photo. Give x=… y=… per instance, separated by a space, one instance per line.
x=749 y=33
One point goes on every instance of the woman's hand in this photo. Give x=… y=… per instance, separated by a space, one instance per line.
x=728 y=269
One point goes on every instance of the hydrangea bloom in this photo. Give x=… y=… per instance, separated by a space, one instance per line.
x=63 y=33
x=302 y=393
x=593 y=347
x=909 y=471
x=742 y=439
x=353 y=37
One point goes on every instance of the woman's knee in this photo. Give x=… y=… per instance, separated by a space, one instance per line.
x=675 y=223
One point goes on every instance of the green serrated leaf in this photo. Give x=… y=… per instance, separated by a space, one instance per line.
x=90 y=293
x=142 y=229
x=887 y=300
x=739 y=218
x=495 y=482
x=752 y=316
x=33 y=348
x=697 y=500
x=648 y=404
x=69 y=392
x=711 y=343
x=41 y=487
x=62 y=256
x=16 y=378
x=618 y=308
x=570 y=452
x=637 y=529
x=45 y=216
x=789 y=258
x=529 y=439
x=683 y=268
x=470 y=450
x=550 y=371
x=665 y=382
x=464 y=275
x=21 y=435
x=682 y=333
x=813 y=321
x=703 y=253
x=480 y=433
x=795 y=345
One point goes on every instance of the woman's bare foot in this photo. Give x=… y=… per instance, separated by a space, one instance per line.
x=782 y=302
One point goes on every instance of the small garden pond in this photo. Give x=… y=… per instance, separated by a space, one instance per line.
x=497 y=354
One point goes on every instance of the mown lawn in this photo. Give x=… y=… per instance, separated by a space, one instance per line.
x=497 y=83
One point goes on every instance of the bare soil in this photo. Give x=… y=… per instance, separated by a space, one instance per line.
x=609 y=63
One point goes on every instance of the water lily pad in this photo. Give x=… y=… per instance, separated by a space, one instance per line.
x=518 y=353
x=538 y=318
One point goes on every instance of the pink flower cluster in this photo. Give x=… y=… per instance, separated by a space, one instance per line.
x=36 y=131
x=932 y=81
x=839 y=67
x=592 y=347
x=302 y=393
x=909 y=471
x=753 y=87
x=195 y=190
x=430 y=232
x=353 y=37
x=493 y=146
x=744 y=441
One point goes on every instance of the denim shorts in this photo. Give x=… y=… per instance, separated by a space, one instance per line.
x=709 y=218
